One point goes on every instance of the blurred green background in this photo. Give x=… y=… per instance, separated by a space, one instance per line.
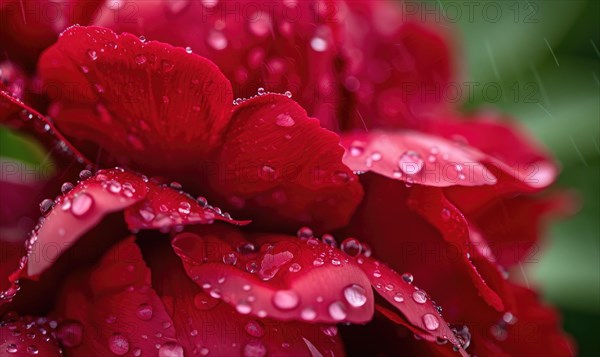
x=545 y=57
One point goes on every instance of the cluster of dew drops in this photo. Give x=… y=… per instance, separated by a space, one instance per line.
x=409 y=163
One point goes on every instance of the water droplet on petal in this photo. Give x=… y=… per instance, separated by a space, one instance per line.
x=419 y=296
x=81 y=204
x=288 y=94
x=188 y=49
x=118 y=344
x=230 y=258
x=255 y=328
x=46 y=205
x=351 y=246
x=305 y=233
x=144 y=312
x=70 y=333
x=140 y=59
x=170 y=349
x=410 y=163
x=85 y=174
x=255 y=349
x=184 y=207
x=308 y=314
x=286 y=299
x=243 y=307
x=284 y=120
x=261 y=91
x=93 y=55
x=66 y=188
x=398 y=297
x=408 y=277
x=356 y=295
x=431 y=322
x=337 y=311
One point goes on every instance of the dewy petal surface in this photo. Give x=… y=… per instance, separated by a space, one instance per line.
x=416 y=157
x=277 y=276
x=277 y=158
x=148 y=104
x=112 y=309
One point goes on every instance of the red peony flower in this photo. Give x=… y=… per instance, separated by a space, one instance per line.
x=132 y=265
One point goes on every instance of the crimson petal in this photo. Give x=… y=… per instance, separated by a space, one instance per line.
x=279 y=159
x=279 y=45
x=286 y=279
x=76 y=212
x=454 y=227
x=112 y=308
x=206 y=325
x=27 y=336
x=414 y=303
x=416 y=158
x=398 y=68
x=154 y=114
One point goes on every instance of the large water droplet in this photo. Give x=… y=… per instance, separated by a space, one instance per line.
x=284 y=120
x=81 y=204
x=356 y=295
x=254 y=328
x=419 y=296
x=243 y=307
x=46 y=205
x=398 y=297
x=337 y=311
x=410 y=163
x=144 y=312
x=408 y=277
x=66 y=188
x=255 y=349
x=286 y=299
x=431 y=322
x=308 y=314
x=70 y=333
x=170 y=349
x=305 y=233
x=118 y=344
x=351 y=246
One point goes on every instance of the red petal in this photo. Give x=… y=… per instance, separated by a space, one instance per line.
x=513 y=226
x=29 y=26
x=279 y=46
x=279 y=159
x=416 y=306
x=398 y=68
x=207 y=325
x=112 y=309
x=27 y=336
x=451 y=223
x=518 y=162
x=159 y=106
x=290 y=280
x=416 y=158
x=165 y=208
x=75 y=213
x=146 y=205
x=537 y=330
